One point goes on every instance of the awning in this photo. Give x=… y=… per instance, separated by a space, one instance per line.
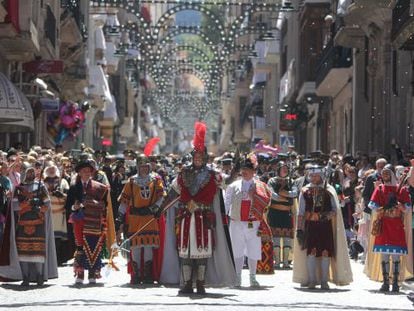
x=15 y=111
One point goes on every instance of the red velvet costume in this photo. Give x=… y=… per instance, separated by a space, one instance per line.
x=391 y=240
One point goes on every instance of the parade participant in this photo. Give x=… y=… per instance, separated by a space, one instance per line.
x=226 y=165
x=140 y=202
x=370 y=182
x=350 y=182
x=280 y=214
x=15 y=165
x=119 y=179
x=57 y=188
x=196 y=227
x=245 y=202
x=5 y=195
x=390 y=232
x=66 y=169
x=30 y=254
x=92 y=221
x=320 y=235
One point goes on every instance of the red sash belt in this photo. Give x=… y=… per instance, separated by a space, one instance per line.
x=245 y=210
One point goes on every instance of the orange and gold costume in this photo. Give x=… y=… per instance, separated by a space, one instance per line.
x=136 y=196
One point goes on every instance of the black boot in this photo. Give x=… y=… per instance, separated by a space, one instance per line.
x=187 y=289
x=187 y=271
x=200 y=288
x=386 y=283
x=396 y=273
x=201 y=273
x=134 y=274
x=40 y=280
x=148 y=273
x=25 y=282
x=92 y=276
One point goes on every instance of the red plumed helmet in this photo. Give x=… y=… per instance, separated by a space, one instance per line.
x=149 y=147
x=199 y=136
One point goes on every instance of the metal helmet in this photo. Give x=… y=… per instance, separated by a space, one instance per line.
x=142 y=159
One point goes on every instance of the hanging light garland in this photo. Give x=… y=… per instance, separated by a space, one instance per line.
x=158 y=55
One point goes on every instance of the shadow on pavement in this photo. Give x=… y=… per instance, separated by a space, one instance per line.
x=20 y=288
x=282 y=306
x=376 y=291
x=318 y=290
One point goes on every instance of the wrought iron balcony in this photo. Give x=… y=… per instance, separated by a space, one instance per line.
x=329 y=69
x=72 y=8
x=403 y=25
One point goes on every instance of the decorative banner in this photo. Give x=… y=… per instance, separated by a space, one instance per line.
x=44 y=66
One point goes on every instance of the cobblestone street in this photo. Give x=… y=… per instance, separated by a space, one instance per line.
x=277 y=292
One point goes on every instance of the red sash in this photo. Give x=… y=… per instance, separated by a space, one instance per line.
x=245 y=210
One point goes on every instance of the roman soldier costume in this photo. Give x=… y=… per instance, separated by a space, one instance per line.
x=280 y=214
x=199 y=233
x=140 y=202
x=321 y=236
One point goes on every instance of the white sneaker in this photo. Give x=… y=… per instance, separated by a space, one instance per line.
x=92 y=281
x=78 y=281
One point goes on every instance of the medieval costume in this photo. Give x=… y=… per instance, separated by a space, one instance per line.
x=29 y=253
x=322 y=253
x=246 y=200
x=390 y=233
x=140 y=203
x=348 y=200
x=280 y=214
x=92 y=222
x=57 y=188
x=199 y=235
x=5 y=193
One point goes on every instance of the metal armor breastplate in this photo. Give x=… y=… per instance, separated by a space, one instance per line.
x=194 y=180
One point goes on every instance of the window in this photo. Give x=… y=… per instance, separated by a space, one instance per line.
x=395 y=72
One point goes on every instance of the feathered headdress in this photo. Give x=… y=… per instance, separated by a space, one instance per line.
x=149 y=147
x=249 y=161
x=199 y=136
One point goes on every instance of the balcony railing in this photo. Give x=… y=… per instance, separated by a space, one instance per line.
x=332 y=57
x=72 y=7
x=400 y=16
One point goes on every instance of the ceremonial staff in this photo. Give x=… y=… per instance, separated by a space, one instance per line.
x=115 y=247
